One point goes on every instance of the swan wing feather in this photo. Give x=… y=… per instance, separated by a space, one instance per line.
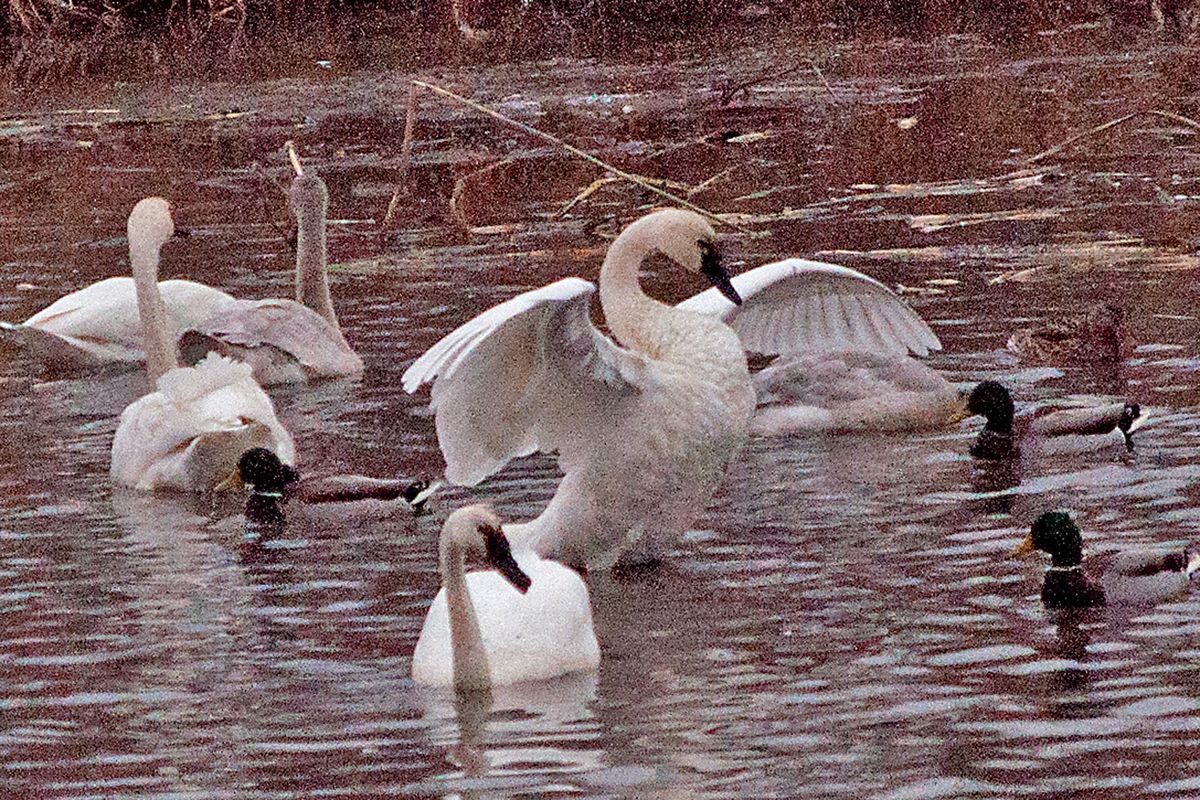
x=288 y=326
x=797 y=305
x=530 y=374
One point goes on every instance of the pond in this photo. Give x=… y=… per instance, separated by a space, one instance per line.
x=841 y=622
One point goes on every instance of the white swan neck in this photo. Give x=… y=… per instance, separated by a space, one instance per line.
x=469 y=659
x=312 y=260
x=157 y=338
x=627 y=308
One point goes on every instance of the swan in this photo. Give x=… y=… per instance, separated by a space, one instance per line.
x=97 y=328
x=851 y=391
x=189 y=433
x=645 y=425
x=274 y=485
x=528 y=620
x=285 y=341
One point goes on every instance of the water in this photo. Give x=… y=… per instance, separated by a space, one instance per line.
x=840 y=623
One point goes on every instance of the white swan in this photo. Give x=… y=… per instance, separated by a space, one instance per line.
x=98 y=329
x=529 y=620
x=189 y=434
x=643 y=429
x=850 y=391
x=285 y=341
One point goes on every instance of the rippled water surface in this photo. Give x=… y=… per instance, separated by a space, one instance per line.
x=840 y=623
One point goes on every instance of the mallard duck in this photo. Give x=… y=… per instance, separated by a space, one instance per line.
x=523 y=619
x=1132 y=576
x=275 y=486
x=847 y=391
x=1005 y=436
x=1100 y=335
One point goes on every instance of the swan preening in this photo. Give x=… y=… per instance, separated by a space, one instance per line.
x=98 y=327
x=523 y=619
x=644 y=426
x=189 y=433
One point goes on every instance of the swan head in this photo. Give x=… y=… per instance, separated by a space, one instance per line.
x=993 y=402
x=150 y=224
x=1055 y=534
x=477 y=531
x=686 y=238
x=262 y=471
x=308 y=197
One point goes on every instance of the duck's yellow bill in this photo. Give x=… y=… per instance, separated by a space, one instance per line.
x=1025 y=547
x=233 y=483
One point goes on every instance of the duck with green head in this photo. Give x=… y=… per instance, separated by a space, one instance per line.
x=1141 y=577
x=272 y=484
x=1006 y=435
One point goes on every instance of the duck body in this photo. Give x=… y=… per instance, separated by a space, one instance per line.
x=1098 y=336
x=849 y=391
x=1127 y=577
x=525 y=619
x=1006 y=435
x=275 y=486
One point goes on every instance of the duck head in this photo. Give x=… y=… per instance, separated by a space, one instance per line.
x=990 y=400
x=1057 y=535
x=262 y=471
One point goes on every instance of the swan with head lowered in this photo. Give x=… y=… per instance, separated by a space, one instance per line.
x=189 y=434
x=645 y=425
x=524 y=619
x=285 y=341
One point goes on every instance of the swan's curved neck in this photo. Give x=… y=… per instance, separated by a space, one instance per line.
x=469 y=658
x=626 y=307
x=157 y=339
x=312 y=280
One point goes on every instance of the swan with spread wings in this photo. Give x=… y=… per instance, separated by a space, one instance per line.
x=644 y=423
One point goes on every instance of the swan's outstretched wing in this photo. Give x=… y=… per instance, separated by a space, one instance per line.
x=190 y=433
x=529 y=374
x=798 y=305
x=291 y=328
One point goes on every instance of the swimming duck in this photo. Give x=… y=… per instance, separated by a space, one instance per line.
x=846 y=391
x=523 y=619
x=1005 y=436
x=1100 y=335
x=1137 y=576
x=274 y=485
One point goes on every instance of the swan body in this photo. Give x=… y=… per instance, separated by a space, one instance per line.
x=527 y=619
x=1006 y=435
x=285 y=341
x=848 y=391
x=97 y=328
x=645 y=425
x=1126 y=577
x=188 y=434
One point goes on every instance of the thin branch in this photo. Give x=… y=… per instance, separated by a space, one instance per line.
x=575 y=151
x=410 y=125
